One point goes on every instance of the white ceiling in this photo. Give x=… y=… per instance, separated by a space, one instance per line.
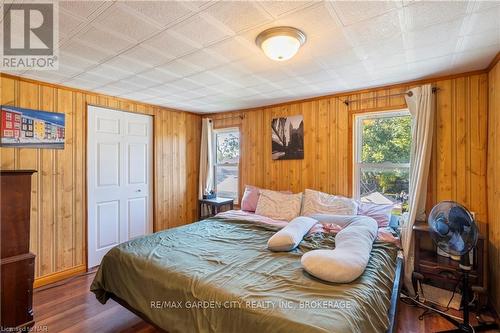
x=201 y=56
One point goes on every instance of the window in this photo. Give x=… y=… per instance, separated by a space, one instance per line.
x=227 y=160
x=382 y=143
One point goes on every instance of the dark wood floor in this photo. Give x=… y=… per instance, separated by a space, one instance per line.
x=71 y=307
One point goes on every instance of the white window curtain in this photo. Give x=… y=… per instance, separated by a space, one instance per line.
x=206 y=179
x=421 y=104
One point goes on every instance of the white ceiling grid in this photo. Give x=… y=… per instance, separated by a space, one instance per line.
x=201 y=56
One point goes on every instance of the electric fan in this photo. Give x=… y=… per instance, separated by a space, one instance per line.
x=454 y=231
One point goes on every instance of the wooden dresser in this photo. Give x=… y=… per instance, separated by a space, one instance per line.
x=17 y=262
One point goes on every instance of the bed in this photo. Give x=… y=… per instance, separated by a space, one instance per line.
x=216 y=275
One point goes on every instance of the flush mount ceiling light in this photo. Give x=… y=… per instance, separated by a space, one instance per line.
x=280 y=43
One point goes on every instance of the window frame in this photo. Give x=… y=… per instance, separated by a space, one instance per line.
x=216 y=131
x=357 y=148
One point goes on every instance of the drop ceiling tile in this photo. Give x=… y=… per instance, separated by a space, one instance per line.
x=113 y=91
x=164 y=13
x=83 y=9
x=318 y=19
x=145 y=80
x=82 y=63
x=69 y=24
x=180 y=68
x=122 y=21
x=68 y=71
x=378 y=28
x=231 y=49
x=438 y=33
x=172 y=45
x=238 y=16
x=169 y=88
x=128 y=64
x=48 y=76
x=139 y=96
x=159 y=91
x=129 y=85
x=103 y=40
x=159 y=75
x=147 y=55
x=421 y=14
x=99 y=79
x=483 y=21
x=79 y=49
x=199 y=31
x=81 y=83
x=481 y=40
x=481 y=5
x=350 y=12
x=186 y=84
x=338 y=59
x=431 y=51
x=476 y=59
x=205 y=59
x=208 y=78
x=110 y=72
x=336 y=41
x=279 y=8
x=430 y=66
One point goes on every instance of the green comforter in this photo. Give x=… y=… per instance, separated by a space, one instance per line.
x=217 y=275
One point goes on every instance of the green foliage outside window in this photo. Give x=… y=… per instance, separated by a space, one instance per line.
x=386 y=140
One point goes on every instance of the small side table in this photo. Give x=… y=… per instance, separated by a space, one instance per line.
x=442 y=272
x=214 y=205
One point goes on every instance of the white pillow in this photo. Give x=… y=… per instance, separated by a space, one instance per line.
x=353 y=246
x=316 y=202
x=279 y=206
x=291 y=235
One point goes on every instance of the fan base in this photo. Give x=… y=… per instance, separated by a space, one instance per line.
x=470 y=329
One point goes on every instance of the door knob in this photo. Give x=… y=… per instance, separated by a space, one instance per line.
x=138 y=190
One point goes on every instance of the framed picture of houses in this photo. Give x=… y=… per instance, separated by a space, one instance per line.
x=31 y=128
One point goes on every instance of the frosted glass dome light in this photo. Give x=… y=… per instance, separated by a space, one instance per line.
x=280 y=43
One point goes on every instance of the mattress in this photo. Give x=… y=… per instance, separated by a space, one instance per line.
x=216 y=275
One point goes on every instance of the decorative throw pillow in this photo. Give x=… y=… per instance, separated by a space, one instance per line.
x=379 y=212
x=279 y=206
x=316 y=202
x=250 y=198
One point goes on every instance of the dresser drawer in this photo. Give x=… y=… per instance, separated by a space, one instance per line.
x=17 y=290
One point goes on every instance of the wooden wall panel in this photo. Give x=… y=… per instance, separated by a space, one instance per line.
x=494 y=184
x=58 y=213
x=459 y=155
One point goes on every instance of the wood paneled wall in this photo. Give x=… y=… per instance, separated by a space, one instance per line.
x=459 y=156
x=494 y=183
x=58 y=215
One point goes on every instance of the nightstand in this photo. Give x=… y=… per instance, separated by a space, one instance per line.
x=439 y=271
x=214 y=205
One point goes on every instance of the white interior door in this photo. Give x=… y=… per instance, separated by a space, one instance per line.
x=119 y=170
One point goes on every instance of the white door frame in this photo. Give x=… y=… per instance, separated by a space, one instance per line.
x=151 y=174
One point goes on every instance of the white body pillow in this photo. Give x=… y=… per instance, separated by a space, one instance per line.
x=353 y=246
x=291 y=235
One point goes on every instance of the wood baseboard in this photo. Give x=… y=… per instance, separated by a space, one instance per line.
x=58 y=276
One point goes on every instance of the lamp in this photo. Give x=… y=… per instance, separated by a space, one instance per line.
x=280 y=43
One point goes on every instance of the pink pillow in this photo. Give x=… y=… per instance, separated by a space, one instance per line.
x=380 y=213
x=250 y=198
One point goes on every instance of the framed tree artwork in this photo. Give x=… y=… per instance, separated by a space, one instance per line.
x=288 y=138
